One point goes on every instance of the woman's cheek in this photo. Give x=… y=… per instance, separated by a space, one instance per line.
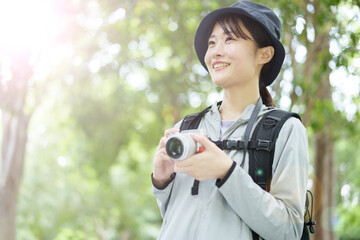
x=207 y=59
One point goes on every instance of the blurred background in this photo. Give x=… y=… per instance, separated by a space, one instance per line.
x=87 y=88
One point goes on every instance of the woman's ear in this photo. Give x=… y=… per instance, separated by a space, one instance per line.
x=265 y=54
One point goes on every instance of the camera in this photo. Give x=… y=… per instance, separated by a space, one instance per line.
x=181 y=145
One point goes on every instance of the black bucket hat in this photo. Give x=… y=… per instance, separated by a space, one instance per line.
x=259 y=13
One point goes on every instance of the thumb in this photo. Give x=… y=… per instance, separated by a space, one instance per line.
x=203 y=140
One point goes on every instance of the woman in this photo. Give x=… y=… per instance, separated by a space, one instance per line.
x=240 y=47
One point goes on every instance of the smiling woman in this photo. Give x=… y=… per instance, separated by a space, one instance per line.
x=212 y=194
x=25 y=25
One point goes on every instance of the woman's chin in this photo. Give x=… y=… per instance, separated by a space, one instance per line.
x=223 y=83
x=219 y=82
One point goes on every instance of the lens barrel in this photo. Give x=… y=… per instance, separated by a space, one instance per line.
x=180 y=146
x=174 y=147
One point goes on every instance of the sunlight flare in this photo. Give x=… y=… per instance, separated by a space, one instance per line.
x=25 y=25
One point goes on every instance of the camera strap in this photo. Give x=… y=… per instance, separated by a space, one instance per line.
x=249 y=126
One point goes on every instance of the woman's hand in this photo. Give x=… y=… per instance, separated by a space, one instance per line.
x=163 y=165
x=212 y=163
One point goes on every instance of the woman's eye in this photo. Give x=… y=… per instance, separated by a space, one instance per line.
x=229 y=38
x=211 y=43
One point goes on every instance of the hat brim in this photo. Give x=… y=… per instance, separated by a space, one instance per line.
x=207 y=24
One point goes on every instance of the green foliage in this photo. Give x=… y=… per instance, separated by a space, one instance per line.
x=66 y=195
x=348 y=187
x=349 y=222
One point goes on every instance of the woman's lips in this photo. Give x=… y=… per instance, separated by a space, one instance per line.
x=220 y=65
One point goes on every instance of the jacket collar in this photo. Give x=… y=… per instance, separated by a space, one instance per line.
x=244 y=117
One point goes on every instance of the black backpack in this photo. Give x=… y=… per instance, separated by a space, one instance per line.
x=261 y=147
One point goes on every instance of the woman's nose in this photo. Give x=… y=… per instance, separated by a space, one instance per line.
x=218 y=50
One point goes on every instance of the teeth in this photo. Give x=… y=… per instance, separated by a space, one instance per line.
x=217 y=65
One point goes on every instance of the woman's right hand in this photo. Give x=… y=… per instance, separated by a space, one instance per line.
x=163 y=165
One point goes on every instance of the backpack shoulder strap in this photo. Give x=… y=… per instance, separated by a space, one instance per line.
x=265 y=134
x=261 y=158
x=192 y=121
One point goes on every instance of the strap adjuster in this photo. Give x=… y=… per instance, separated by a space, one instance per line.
x=230 y=144
x=264 y=145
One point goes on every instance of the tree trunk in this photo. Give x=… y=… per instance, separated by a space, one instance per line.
x=324 y=198
x=316 y=74
x=14 y=137
x=323 y=187
x=13 y=152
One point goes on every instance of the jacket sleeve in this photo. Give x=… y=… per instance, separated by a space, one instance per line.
x=278 y=214
x=163 y=193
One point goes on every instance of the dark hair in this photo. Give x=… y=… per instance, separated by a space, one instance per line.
x=229 y=23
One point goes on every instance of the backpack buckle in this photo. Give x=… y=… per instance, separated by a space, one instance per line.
x=264 y=145
x=230 y=144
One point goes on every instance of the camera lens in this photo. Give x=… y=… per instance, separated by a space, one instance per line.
x=174 y=148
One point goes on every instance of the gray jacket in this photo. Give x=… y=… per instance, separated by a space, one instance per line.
x=229 y=211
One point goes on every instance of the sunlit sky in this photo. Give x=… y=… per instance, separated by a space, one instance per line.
x=26 y=24
x=33 y=25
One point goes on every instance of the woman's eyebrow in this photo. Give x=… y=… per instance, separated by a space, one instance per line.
x=224 y=33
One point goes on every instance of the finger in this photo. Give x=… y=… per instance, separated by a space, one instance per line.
x=162 y=156
x=163 y=140
x=192 y=172
x=182 y=168
x=203 y=140
x=185 y=163
x=162 y=143
x=169 y=131
x=165 y=155
x=162 y=151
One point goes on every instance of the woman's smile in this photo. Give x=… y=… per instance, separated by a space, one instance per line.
x=217 y=66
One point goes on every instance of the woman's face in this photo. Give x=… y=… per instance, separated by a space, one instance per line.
x=231 y=61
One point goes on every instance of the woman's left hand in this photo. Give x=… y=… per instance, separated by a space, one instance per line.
x=212 y=163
